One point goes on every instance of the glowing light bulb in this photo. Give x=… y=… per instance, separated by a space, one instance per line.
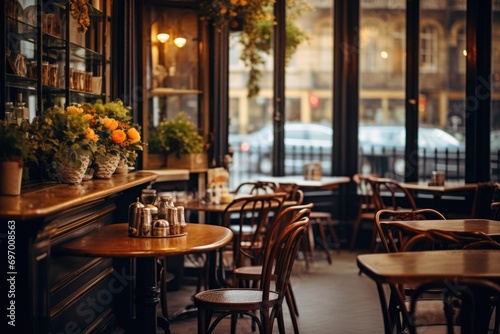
x=163 y=37
x=180 y=42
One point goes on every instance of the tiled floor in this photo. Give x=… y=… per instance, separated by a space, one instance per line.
x=331 y=298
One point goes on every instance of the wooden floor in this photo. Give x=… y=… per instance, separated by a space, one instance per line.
x=331 y=298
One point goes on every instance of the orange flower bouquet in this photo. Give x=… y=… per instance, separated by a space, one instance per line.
x=119 y=138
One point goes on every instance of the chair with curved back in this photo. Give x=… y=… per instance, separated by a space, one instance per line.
x=249 y=218
x=250 y=275
x=485 y=194
x=391 y=235
x=255 y=188
x=466 y=304
x=495 y=210
x=267 y=302
x=399 y=237
x=292 y=189
x=366 y=207
x=317 y=220
x=389 y=194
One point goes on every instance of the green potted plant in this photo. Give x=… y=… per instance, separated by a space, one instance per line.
x=183 y=144
x=65 y=142
x=15 y=149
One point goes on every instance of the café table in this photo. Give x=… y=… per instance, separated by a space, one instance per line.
x=325 y=183
x=416 y=268
x=113 y=241
x=450 y=188
x=486 y=226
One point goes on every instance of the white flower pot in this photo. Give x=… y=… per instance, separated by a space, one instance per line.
x=106 y=169
x=68 y=173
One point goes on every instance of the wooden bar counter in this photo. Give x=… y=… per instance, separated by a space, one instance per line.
x=52 y=292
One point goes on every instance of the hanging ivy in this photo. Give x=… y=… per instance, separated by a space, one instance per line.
x=256 y=20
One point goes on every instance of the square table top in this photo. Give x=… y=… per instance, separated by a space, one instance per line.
x=486 y=226
x=424 y=266
x=449 y=186
x=325 y=183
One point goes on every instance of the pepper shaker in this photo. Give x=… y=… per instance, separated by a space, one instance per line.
x=133 y=222
x=181 y=220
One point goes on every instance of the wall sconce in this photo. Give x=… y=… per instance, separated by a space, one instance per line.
x=180 y=42
x=162 y=37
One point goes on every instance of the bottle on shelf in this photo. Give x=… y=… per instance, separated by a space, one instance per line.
x=22 y=112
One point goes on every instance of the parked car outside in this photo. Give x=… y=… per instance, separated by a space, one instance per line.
x=381 y=148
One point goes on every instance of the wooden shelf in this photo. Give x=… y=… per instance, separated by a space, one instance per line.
x=163 y=91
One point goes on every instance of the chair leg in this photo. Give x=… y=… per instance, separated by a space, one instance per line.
x=324 y=242
x=292 y=306
x=202 y=321
x=292 y=299
x=234 y=320
x=334 y=235
x=355 y=231
x=373 y=247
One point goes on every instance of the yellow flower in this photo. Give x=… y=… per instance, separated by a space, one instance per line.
x=110 y=123
x=133 y=135
x=118 y=136
x=90 y=135
x=74 y=110
x=88 y=117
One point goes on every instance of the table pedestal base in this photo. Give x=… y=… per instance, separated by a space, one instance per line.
x=147 y=295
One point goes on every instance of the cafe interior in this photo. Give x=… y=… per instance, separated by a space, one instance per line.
x=270 y=166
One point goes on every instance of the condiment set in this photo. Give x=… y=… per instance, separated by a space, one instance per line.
x=149 y=218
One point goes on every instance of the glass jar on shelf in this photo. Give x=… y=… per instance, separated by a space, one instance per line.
x=45 y=73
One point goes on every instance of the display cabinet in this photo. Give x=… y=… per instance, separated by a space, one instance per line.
x=175 y=56
x=55 y=54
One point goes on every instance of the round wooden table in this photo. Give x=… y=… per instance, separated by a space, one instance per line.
x=113 y=241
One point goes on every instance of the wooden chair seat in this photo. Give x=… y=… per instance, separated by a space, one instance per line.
x=240 y=299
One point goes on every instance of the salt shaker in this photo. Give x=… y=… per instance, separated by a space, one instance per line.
x=145 y=222
x=173 y=221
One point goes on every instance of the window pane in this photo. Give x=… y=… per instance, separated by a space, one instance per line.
x=308 y=94
x=495 y=99
x=382 y=90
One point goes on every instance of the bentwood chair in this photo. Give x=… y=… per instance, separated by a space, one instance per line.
x=267 y=302
x=366 y=207
x=318 y=220
x=391 y=235
x=249 y=218
x=495 y=210
x=399 y=237
x=256 y=188
x=485 y=194
x=249 y=276
x=389 y=194
x=465 y=304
